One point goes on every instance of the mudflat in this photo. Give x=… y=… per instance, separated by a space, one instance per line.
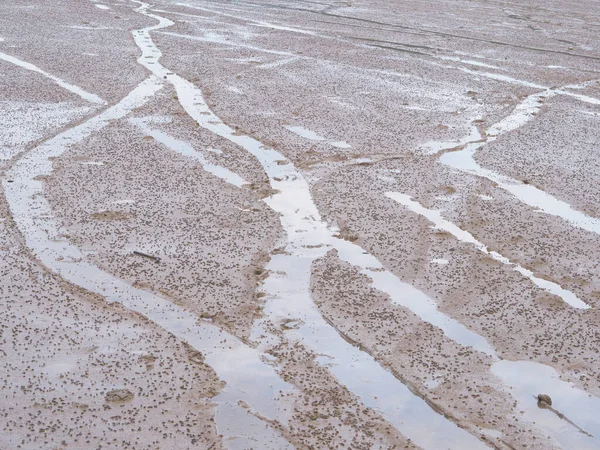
x=278 y=224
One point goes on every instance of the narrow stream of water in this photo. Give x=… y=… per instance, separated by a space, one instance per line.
x=185 y=149
x=436 y=218
x=304 y=227
x=92 y=98
x=288 y=287
x=464 y=160
x=248 y=378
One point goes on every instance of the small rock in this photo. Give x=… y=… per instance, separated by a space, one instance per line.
x=119 y=395
x=544 y=400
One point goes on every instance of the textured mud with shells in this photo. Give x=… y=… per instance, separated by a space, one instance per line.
x=299 y=225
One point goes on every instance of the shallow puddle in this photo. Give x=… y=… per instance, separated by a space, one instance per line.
x=185 y=149
x=406 y=295
x=305 y=133
x=527 y=379
x=433 y=147
x=340 y=144
x=305 y=229
x=288 y=286
x=289 y=298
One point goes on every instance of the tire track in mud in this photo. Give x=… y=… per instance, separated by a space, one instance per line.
x=315 y=331
x=309 y=238
x=297 y=246
x=258 y=23
x=509 y=368
x=234 y=362
x=51 y=135
x=412 y=49
x=423 y=31
x=518 y=374
x=185 y=149
x=516 y=81
x=523 y=377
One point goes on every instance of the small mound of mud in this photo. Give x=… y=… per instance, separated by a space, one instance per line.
x=110 y=215
x=448 y=190
x=119 y=395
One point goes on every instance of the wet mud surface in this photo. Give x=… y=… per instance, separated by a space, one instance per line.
x=269 y=224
